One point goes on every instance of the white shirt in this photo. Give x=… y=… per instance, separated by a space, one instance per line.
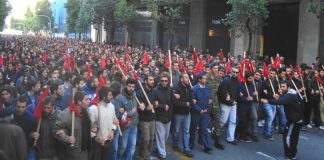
x=102 y=117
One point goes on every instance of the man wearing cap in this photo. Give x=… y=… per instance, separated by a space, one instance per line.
x=201 y=106
x=213 y=81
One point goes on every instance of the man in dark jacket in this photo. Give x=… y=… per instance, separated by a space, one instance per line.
x=182 y=114
x=228 y=92
x=146 y=119
x=162 y=99
x=201 y=106
x=294 y=113
x=46 y=148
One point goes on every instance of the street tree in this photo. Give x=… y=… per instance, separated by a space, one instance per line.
x=246 y=16
x=316 y=7
x=73 y=11
x=126 y=16
x=43 y=7
x=84 y=19
x=167 y=12
x=5 y=8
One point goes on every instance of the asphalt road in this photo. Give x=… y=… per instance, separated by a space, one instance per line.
x=310 y=147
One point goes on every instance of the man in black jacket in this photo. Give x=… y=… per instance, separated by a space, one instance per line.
x=294 y=113
x=146 y=119
x=162 y=100
x=182 y=114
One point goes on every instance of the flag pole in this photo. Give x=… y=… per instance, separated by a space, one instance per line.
x=72 y=128
x=37 y=130
x=170 y=68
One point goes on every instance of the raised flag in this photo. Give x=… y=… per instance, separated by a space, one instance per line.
x=221 y=55
x=44 y=57
x=38 y=113
x=145 y=58
x=183 y=68
x=265 y=70
x=136 y=76
x=194 y=55
x=199 y=67
x=127 y=58
x=1 y=60
x=67 y=63
x=73 y=108
x=103 y=63
x=228 y=67
x=319 y=79
x=102 y=81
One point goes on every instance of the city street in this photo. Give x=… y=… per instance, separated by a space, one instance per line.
x=310 y=147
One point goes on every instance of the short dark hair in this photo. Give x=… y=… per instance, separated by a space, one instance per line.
x=103 y=91
x=78 y=96
x=22 y=99
x=68 y=75
x=48 y=100
x=130 y=81
x=146 y=77
x=54 y=86
x=78 y=80
x=288 y=83
x=31 y=84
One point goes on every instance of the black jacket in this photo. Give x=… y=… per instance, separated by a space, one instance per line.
x=180 y=105
x=228 y=86
x=292 y=105
x=145 y=115
x=266 y=90
x=164 y=97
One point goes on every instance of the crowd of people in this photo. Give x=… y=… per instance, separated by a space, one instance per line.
x=77 y=100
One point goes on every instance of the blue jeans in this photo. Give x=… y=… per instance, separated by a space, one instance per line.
x=181 y=121
x=270 y=111
x=127 y=143
x=31 y=154
x=280 y=119
x=114 y=149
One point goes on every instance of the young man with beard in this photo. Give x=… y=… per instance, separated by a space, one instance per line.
x=162 y=99
x=102 y=118
x=182 y=93
x=146 y=120
x=7 y=100
x=32 y=89
x=81 y=139
x=294 y=113
x=91 y=86
x=57 y=93
x=46 y=145
x=78 y=83
x=27 y=122
x=201 y=99
x=128 y=121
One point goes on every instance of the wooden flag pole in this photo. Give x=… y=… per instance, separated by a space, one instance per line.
x=37 y=130
x=73 y=125
x=170 y=69
x=306 y=99
x=147 y=99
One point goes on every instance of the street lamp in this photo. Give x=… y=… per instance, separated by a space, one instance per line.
x=49 y=19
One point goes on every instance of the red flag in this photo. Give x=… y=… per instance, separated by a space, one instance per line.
x=168 y=60
x=119 y=63
x=183 y=68
x=291 y=67
x=102 y=81
x=89 y=71
x=103 y=63
x=126 y=46
x=127 y=58
x=44 y=57
x=209 y=58
x=199 y=67
x=319 y=79
x=145 y=58
x=1 y=60
x=221 y=55
x=276 y=63
x=228 y=67
x=194 y=56
x=73 y=108
x=299 y=71
x=11 y=59
x=242 y=74
x=265 y=70
x=229 y=55
x=39 y=110
x=136 y=76
x=67 y=63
